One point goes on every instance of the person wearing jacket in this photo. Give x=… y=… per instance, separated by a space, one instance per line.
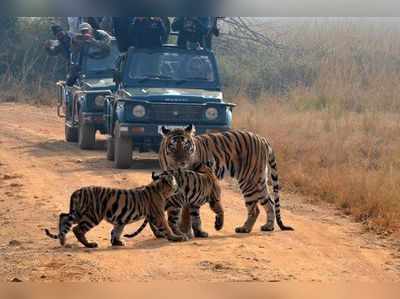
x=121 y=32
x=147 y=32
x=97 y=23
x=61 y=45
x=195 y=30
x=191 y=31
x=98 y=39
x=70 y=45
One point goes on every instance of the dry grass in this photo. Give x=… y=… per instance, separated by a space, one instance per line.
x=35 y=95
x=352 y=160
x=338 y=139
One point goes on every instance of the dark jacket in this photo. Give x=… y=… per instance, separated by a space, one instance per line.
x=63 y=48
x=147 y=33
x=191 y=29
x=121 y=32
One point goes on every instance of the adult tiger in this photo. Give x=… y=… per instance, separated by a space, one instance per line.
x=246 y=156
x=90 y=205
x=197 y=187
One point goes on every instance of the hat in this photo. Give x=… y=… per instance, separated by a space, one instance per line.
x=56 y=29
x=85 y=26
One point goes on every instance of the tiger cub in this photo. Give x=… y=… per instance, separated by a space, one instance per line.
x=90 y=205
x=198 y=186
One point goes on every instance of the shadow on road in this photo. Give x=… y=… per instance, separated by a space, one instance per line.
x=57 y=147
x=153 y=243
x=89 y=159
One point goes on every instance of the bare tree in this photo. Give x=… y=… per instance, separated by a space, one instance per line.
x=248 y=30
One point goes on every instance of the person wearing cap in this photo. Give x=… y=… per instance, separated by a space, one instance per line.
x=87 y=37
x=97 y=38
x=69 y=45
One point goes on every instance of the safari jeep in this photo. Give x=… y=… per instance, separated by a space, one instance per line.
x=82 y=105
x=166 y=86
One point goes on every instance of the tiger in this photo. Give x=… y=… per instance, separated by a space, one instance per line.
x=198 y=186
x=90 y=205
x=245 y=156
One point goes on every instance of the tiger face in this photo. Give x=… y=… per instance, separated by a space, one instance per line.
x=179 y=145
x=167 y=181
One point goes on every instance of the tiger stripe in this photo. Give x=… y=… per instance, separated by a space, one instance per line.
x=197 y=186
x=243 y=155
x=90 y=205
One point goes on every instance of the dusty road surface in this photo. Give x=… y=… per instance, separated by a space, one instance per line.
x=38 y=171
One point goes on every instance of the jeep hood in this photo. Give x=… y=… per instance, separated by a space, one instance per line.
x=106 y=83
x=174 y=94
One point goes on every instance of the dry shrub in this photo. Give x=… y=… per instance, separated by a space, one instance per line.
x=337 y=137
x=352 y=160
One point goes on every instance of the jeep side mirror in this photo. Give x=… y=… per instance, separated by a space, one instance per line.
x=231 y=106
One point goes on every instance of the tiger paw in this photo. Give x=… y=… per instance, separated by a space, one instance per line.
x=91 y=245
x=62 y=241
x=242 y=230
x=267 y=227
x=219 y=223
x=117 y=243
x=189 y=235
x=175 y=238
x=201 y=234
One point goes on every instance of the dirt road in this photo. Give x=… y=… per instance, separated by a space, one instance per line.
x=38 y=171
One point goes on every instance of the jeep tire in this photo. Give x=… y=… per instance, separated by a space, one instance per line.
x=71 y=134
x=123 y=152
x=87 y=137
x=110 y=148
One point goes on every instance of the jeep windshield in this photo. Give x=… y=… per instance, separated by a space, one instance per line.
x=173 y=68
x=101 y=65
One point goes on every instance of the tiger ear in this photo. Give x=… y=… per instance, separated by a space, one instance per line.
x=190 y=129
x=155 y=176
x=165 y=131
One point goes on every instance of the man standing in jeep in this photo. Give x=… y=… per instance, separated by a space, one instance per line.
x=147 y=32
x=70 y=46
x=195 y=31
x=99 y=39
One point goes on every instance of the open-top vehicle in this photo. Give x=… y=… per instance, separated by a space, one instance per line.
x=82 y=105
x=166 y=86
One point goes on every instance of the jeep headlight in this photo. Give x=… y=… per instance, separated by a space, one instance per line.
x=99 y=101
x=212 y=113
x=139 y=111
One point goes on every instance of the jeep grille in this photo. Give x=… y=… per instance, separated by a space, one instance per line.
x=178 y=113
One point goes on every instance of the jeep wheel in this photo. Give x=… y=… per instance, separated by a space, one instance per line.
x=71 y=134
x=87 y=137
x=110 y=148
x=123 y=152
